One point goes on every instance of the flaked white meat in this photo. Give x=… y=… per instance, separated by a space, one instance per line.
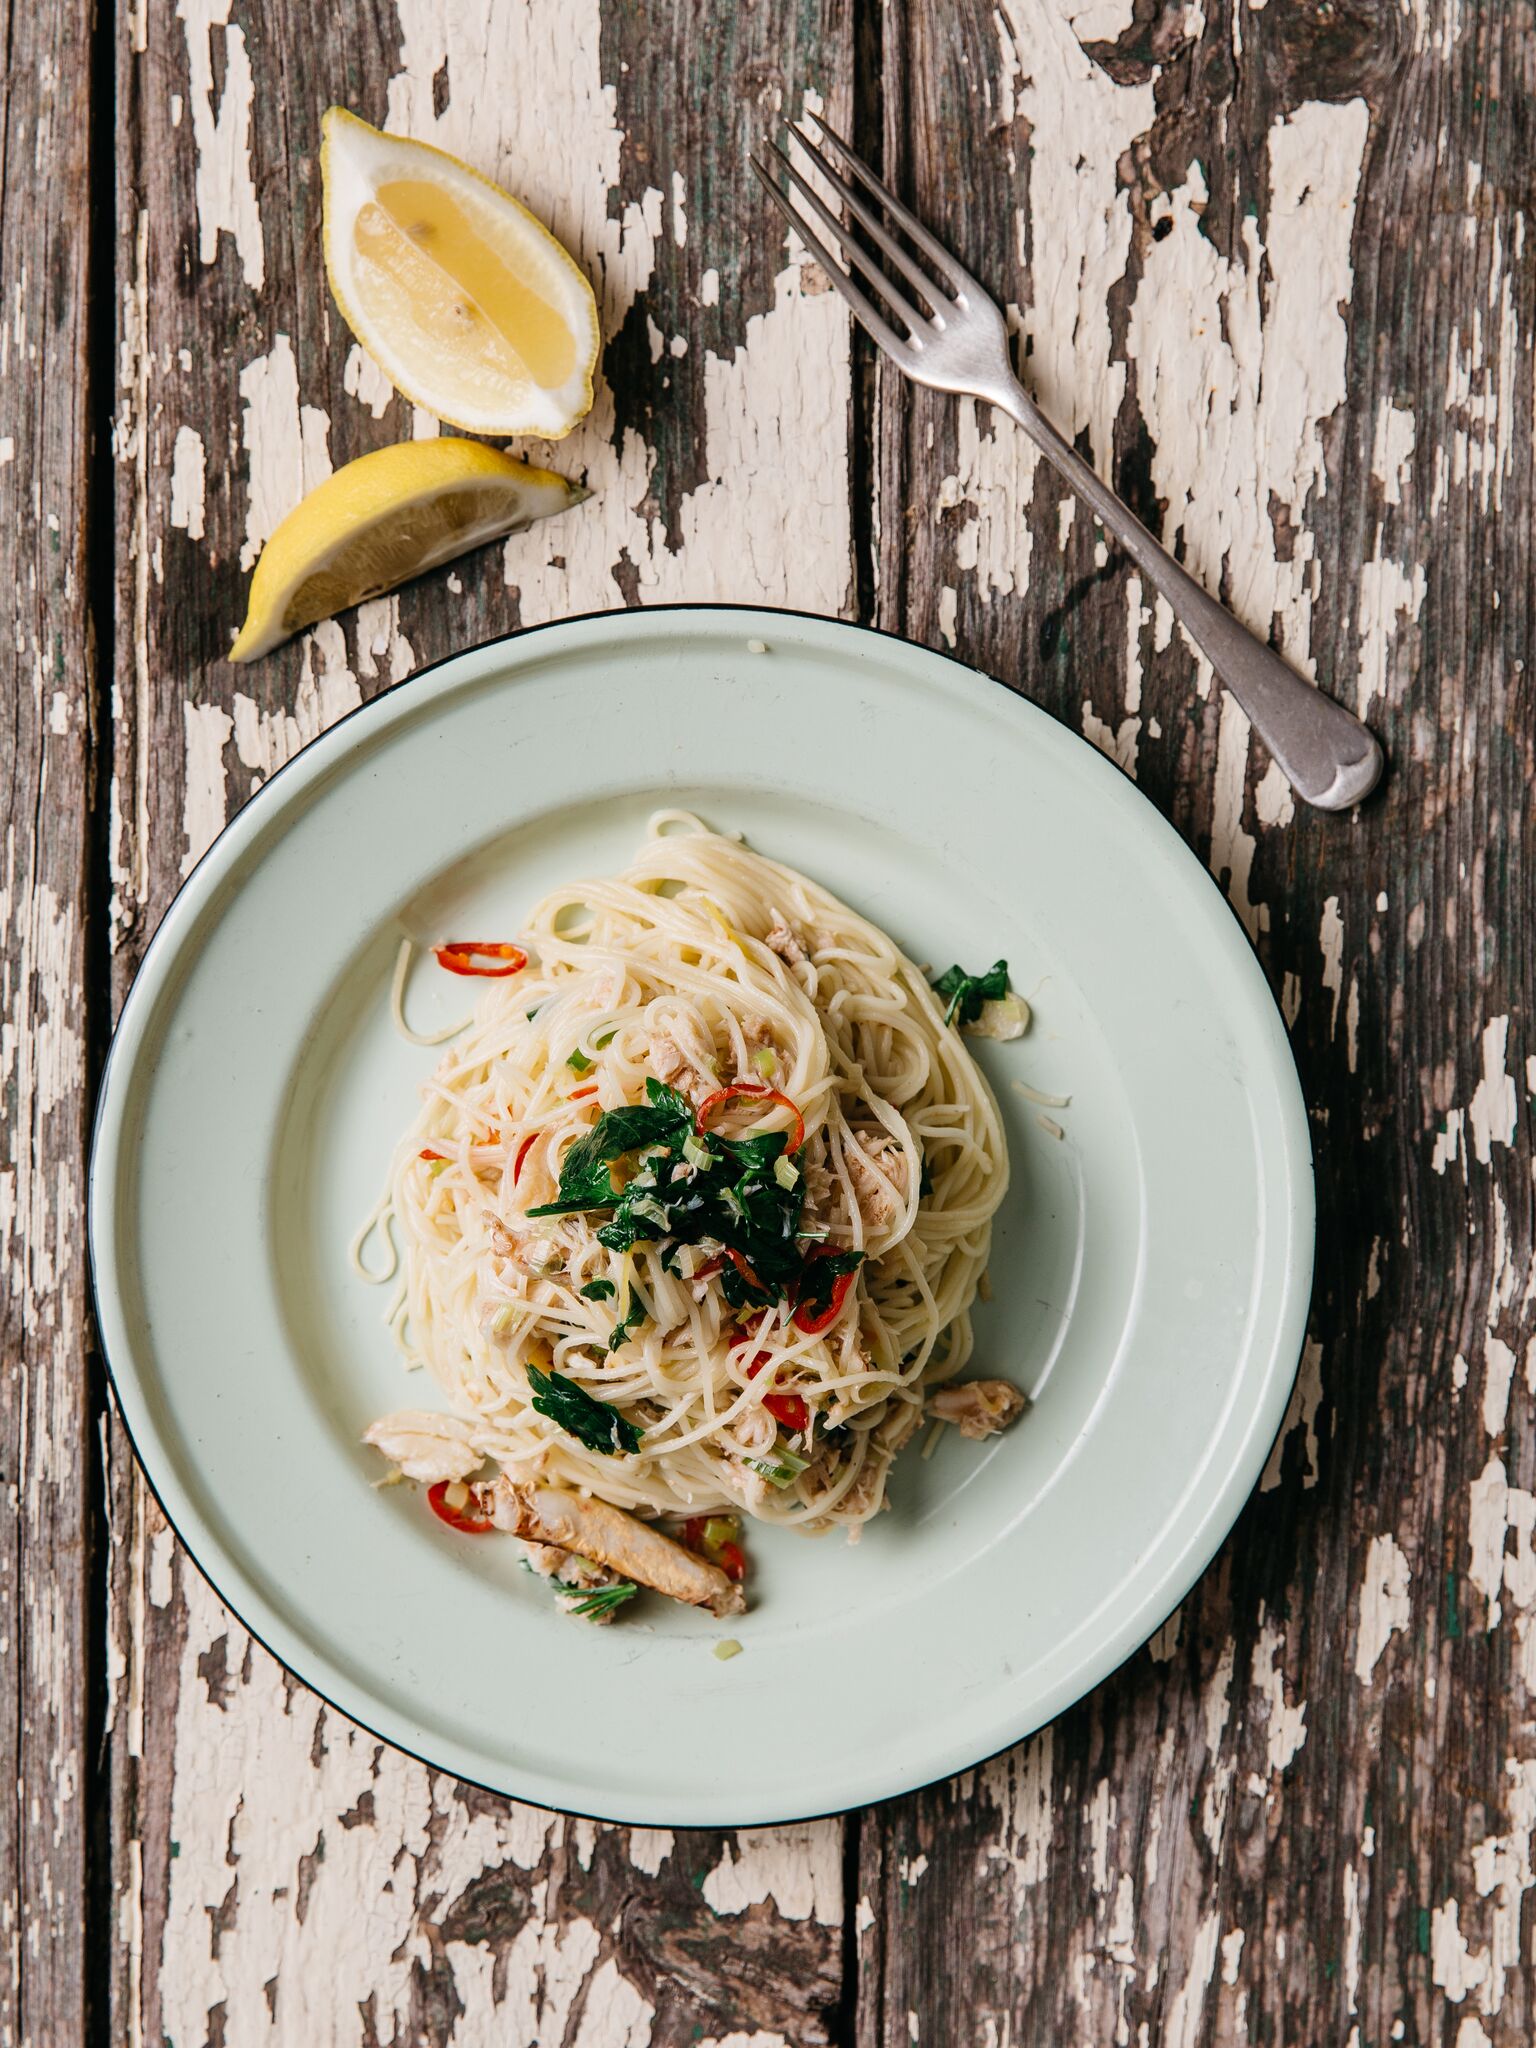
x=781 y=940
x=755 y=1432
x=818 y=1193
x=426 y=1446
x=683 y=1056
x=877 y=1167
x=977 y=1408
x=608 y=1536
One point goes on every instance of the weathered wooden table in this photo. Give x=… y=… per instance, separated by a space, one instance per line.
x=1270 y=269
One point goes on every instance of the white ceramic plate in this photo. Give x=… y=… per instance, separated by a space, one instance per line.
x=1150 y=1272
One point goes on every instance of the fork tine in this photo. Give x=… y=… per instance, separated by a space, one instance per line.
x=854 y=257
x=954 y=273
x=864 y=311
x=874 y=226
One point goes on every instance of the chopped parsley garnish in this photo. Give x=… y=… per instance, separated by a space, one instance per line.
x=592 y=1423
x=634 y=1314
x=579 y=1061
x=585 y=1182
x=599 y=1290
x=593 y=1602
x=728 y=1191
x=965 y=993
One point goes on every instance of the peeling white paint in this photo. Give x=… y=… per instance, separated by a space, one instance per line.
x=799 y=1868
x=1306 y=1399
x=1390 y=593
x=1452 y=1964
x=328 y=690
x=225 y=188
x=1492 y=1112
x=1448 y=1141
x=363 y=380
x=649 y=1848
x=1166 y=1641
x=679 y=210
x=287 y=444
x=1331 y=938
x=1021 y=1785
x=1392 y=454
x=261 y=1779
x=1285 y=1725
x=1186 y=2014
x=1353 y=1938
x=187 y=483
x=1101 y=1818
x=1215 y=1712
x=208 y=728
x=1499 y=1364
x=1385 y=1604
x=1235 y=377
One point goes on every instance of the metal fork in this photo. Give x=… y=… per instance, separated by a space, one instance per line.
x=961 y=344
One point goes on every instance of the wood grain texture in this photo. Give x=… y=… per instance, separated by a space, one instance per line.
x=47 y=768
x=1268 y=268
x=277 y=1872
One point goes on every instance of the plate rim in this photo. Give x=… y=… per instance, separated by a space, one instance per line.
x=1296 y=1154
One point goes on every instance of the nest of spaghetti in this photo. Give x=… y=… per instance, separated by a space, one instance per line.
x=698 y=1202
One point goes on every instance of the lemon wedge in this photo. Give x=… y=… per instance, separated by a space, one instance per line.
x=466 y=302
x=383 y=519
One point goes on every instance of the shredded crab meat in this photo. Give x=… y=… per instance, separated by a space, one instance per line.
x=683 y=1057
x=426 y=1446
x=978 y=1408
x=756 y=1432
x=781 y=940
x=877 y=1167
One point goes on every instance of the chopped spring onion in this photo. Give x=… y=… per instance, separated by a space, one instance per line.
x=785 y=1171
x=727 y=1648
x=719 y=1529
x=579 y=1061
x=593 y=1602
x=782 y=1469
x=697 y=1154
x=502 y=1321
x=601 y=1044
x=766 y=1061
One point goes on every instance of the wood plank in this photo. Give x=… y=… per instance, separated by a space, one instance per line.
x=276 y=1869
x=47 y=1389
x=1272 y=275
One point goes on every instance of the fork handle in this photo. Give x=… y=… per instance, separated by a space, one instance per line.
x=1328 y=756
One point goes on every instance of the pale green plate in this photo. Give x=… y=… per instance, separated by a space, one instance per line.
x=1149 y=1278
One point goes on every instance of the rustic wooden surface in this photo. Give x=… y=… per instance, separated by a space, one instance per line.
x=1269 y=267
x=50 y=1591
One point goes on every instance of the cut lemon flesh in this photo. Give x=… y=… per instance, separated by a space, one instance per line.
x=466 y=302
x=383 y=519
